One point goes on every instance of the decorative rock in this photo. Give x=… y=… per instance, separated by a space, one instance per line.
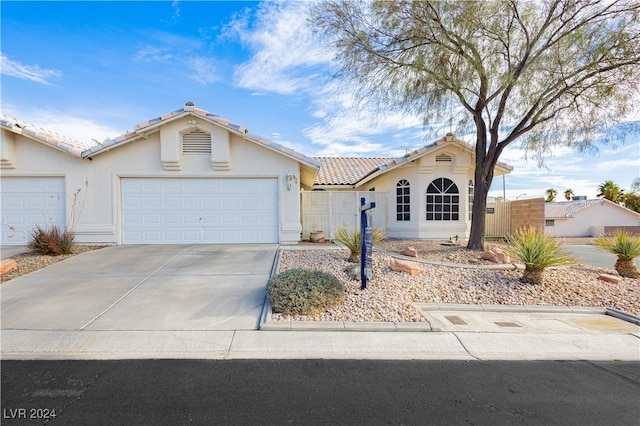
x=404 y=266
x=410 y=251
x=7 y=265
x=610 y=278
x=353 y=273
x=317 y=237
x=496 y=256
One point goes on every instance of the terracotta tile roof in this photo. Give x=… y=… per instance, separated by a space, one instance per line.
x=565 y=209
x=46 y=137
x=346 y=170
x=350 y=171
x=141 y=128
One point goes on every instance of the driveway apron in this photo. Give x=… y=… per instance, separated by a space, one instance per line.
x=150 y=287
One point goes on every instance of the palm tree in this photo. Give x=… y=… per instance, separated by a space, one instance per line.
x=551 y=194
x=568 y=194
x=611 y=191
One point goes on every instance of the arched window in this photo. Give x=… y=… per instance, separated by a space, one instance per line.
x=403 y=201
x=443 y=200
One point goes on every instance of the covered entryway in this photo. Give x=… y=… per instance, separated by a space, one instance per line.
x=199 y=210
x=28 y=202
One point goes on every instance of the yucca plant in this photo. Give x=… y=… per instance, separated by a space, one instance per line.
x=537 y=251
x=52 y=241
x=351 y=240
x=626 y=247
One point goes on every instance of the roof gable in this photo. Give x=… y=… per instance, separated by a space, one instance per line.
x=140 y=130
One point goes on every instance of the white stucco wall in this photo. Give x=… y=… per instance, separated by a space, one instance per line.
x=95 y=212
x=582 y=224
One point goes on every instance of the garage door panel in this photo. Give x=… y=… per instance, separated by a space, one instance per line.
x=200 y=211
x=28 y=202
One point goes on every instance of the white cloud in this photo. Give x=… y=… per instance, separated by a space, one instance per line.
x=153 y=54
x=27 y=72
x=205 y=70
x=286 y=55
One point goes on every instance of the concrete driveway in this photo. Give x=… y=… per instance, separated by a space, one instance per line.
x=150 y=287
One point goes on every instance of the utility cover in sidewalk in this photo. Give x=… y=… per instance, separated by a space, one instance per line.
x=507 y=324
x=455 y=320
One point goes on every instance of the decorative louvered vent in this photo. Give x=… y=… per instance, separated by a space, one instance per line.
x=443 y=158
x=196 y=142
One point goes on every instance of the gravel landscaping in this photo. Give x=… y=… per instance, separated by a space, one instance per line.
x=390 y=295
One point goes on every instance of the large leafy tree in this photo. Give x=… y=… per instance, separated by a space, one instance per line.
x=543 y=73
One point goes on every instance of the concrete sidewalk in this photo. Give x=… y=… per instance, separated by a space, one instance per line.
x=41 y=344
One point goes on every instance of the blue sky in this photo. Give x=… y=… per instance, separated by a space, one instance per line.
x=92 y=70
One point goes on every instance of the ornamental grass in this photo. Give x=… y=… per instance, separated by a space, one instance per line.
x=537 y=251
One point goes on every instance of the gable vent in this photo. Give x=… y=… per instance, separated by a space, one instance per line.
x=443 y=158
x=196 y=142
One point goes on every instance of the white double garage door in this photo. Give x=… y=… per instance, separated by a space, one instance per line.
x=155 y=210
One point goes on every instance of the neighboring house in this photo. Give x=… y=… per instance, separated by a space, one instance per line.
x=587 y=218
x=185 y=177
x=193 y=177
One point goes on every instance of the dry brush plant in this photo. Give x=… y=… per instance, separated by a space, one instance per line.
x=52 y=241
x=304 y=292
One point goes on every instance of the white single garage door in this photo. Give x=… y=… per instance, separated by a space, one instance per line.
x=28 y=202
x=182 y=210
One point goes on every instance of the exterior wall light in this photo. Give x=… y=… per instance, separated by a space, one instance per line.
x=290 y=179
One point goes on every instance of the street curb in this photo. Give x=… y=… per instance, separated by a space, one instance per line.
x=625 y=316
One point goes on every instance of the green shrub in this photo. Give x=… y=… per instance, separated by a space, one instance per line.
x=537 y=251
x=51 y=241
x=304 y=292
x=351 y=240
x=626 y=247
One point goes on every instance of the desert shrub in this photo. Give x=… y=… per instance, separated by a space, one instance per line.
x=304 y=292
x=626 y=247
x=51 y=241
x=351 y=240
x=537 y=251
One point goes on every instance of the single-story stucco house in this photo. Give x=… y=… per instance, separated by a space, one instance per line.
x=189 y=176
x=587 y=218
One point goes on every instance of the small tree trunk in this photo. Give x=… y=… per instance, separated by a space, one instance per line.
x=535 y=277
x=627 y=268
x=478 y=222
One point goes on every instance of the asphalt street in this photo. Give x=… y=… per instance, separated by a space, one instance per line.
x=320 y=392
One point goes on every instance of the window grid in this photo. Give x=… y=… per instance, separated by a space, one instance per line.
x=471 y=199
x=403 y=201
x=443 y=200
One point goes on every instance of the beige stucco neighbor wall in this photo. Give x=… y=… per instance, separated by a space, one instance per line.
x=93 y=196
x=525 y=213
